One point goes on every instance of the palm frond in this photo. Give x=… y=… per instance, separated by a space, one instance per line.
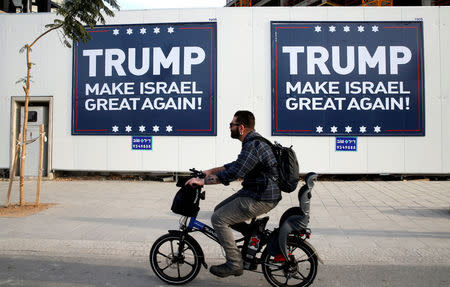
x=76 y=14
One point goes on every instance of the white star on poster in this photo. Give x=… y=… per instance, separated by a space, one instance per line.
x=317 y=29
x=346 y=29
x=332 y=29
x=169 y=128
x=116 y=32
x=377 y=129
x=362 y=129
x=156 y=128
x=170 y=30
x=115 y=129
x=374 y=28
x=319 y=129
x=128 y=129
x=143 y=31
x=348 y=129
x=156 y=30
x=129 y=31
x=360 y=28
x=142 y=129
x=334 y=129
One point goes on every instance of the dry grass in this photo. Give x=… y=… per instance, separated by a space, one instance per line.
x=15 y=210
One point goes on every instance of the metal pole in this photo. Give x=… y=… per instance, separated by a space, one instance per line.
x=41 y=159
x=26 y=4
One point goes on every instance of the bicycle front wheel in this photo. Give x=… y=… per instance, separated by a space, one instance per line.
x=299 y=273
x=175 y=261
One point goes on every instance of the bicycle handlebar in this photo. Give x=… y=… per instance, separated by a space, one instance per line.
x=197 y=173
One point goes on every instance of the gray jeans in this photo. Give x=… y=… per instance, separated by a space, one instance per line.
x=235 y=209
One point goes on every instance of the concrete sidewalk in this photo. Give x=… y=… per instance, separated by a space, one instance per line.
x=353 y=223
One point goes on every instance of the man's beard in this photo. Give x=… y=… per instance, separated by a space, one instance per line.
x=235 y=133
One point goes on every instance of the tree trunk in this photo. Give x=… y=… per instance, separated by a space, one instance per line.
x=25 y=116
x=24 y=131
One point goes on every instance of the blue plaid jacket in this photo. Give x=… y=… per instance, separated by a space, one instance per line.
x=256 y=164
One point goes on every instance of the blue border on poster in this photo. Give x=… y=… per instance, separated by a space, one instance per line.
x=120 y=89
x=347 y=78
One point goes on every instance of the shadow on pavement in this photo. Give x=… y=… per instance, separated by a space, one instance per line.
x=383 y=275
x=381 y=233
x=58 y=271
x=420 y=212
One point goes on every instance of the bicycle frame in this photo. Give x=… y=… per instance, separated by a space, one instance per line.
x=198 y=226
x=195 y=225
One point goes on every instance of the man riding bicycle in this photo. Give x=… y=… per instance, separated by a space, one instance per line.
x=256 y=164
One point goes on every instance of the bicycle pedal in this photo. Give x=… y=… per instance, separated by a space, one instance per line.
x=250 y=267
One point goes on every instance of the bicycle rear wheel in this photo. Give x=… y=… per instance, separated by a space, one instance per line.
x=300 y=273
x=174 y=265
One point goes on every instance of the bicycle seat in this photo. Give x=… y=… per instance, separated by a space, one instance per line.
x=247 y=228
x=261 y=223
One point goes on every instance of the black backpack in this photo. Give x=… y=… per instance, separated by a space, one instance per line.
x=287 y=164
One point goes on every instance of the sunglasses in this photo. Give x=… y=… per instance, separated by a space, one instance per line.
x=234 y=125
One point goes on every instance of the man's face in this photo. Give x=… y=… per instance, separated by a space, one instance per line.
x=234 y=128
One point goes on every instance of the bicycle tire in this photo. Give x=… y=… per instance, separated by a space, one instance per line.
x=165 y=260
x=302 y=274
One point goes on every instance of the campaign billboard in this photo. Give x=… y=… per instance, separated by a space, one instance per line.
x=347 y=78
x=146 y=79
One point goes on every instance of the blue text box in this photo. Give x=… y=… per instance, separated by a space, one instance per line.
x=346 y=144
x=142 y=143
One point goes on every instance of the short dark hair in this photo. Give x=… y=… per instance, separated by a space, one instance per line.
x=245 y=118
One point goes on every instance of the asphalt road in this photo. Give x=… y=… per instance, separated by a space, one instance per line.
x=37 y=270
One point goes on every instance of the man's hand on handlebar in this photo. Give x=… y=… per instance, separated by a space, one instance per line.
x=195 y=181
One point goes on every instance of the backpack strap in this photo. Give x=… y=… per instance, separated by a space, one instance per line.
x=260 y=138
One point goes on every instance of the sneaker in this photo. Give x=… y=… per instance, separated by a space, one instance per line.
x=224 y=270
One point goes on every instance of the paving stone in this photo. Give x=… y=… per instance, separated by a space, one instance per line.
x=352 y=222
